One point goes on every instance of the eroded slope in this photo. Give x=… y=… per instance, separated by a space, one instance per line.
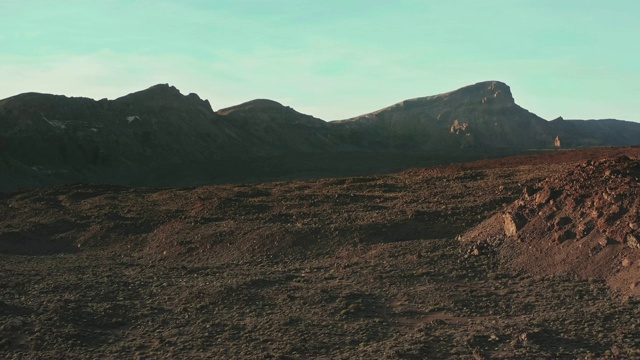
x=582 y=221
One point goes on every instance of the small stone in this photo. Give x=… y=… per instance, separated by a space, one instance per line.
x=594 y=250
x=475 y=252
x=626 y=262
x=543 y=196
x=510 y=225
x=523 y=337
x=562 y=236
x=603 y=241
x=634 y=225
x=632 y=241
x=562 y=221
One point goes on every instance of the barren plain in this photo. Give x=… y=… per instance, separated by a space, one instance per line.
x=409 y=265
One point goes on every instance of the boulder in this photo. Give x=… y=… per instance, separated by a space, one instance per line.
x=512 y=224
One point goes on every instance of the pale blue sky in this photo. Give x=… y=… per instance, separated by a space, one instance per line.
x=330 y=59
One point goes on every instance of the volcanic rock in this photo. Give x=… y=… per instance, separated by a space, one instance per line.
x=632 y=241
x=512 y=223
x=561 y=236
x=588 y=222
x=543 y=196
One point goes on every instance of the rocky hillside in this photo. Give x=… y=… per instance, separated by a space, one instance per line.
x=159 y=137
x=477 y=116
x=584 y=221
x=266 y=125
x=481 y=116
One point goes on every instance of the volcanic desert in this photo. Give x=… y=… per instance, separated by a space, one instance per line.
x=529 y=256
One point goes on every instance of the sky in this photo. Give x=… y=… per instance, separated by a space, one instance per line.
x=333 y=59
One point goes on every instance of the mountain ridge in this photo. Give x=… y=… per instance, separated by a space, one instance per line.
x=160 y=137
x=482 y=90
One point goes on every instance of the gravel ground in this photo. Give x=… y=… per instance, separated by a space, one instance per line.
x=365 y=267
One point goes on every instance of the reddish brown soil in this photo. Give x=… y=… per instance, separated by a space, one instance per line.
x=582 y=221
x=364 y=267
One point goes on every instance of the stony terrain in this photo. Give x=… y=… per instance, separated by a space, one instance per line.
x=584 y=221
x=417 y=264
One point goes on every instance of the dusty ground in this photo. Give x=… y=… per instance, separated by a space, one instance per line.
x=365 y=267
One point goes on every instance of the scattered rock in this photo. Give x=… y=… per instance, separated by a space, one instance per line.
x=604 y=241
x=626 y=262
x=595 y=250
x=562 y=236
x=584 y=229
x=571 y=204
x=512 y=223
x=524 y=337
x=562 y=221
x=510 y=227
x=578 y=204
x=543 y=196
x=632 y=241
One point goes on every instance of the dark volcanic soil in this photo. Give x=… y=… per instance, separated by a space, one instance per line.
x=365 y=267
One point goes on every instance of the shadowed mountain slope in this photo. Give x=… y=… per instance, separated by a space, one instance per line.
x=159 y=137
x=482 y=115
x=606 y=132
x=266 y=125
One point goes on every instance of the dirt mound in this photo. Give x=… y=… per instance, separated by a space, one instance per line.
x=583 y=222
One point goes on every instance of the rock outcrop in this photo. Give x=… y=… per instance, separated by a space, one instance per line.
x=557 y=142
x=584 y=223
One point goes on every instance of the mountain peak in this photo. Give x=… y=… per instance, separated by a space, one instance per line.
x=485 y=91
x=164 y=95
x=159 y=90
x=254 y=105
x=163 y=88
x=482 y=93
